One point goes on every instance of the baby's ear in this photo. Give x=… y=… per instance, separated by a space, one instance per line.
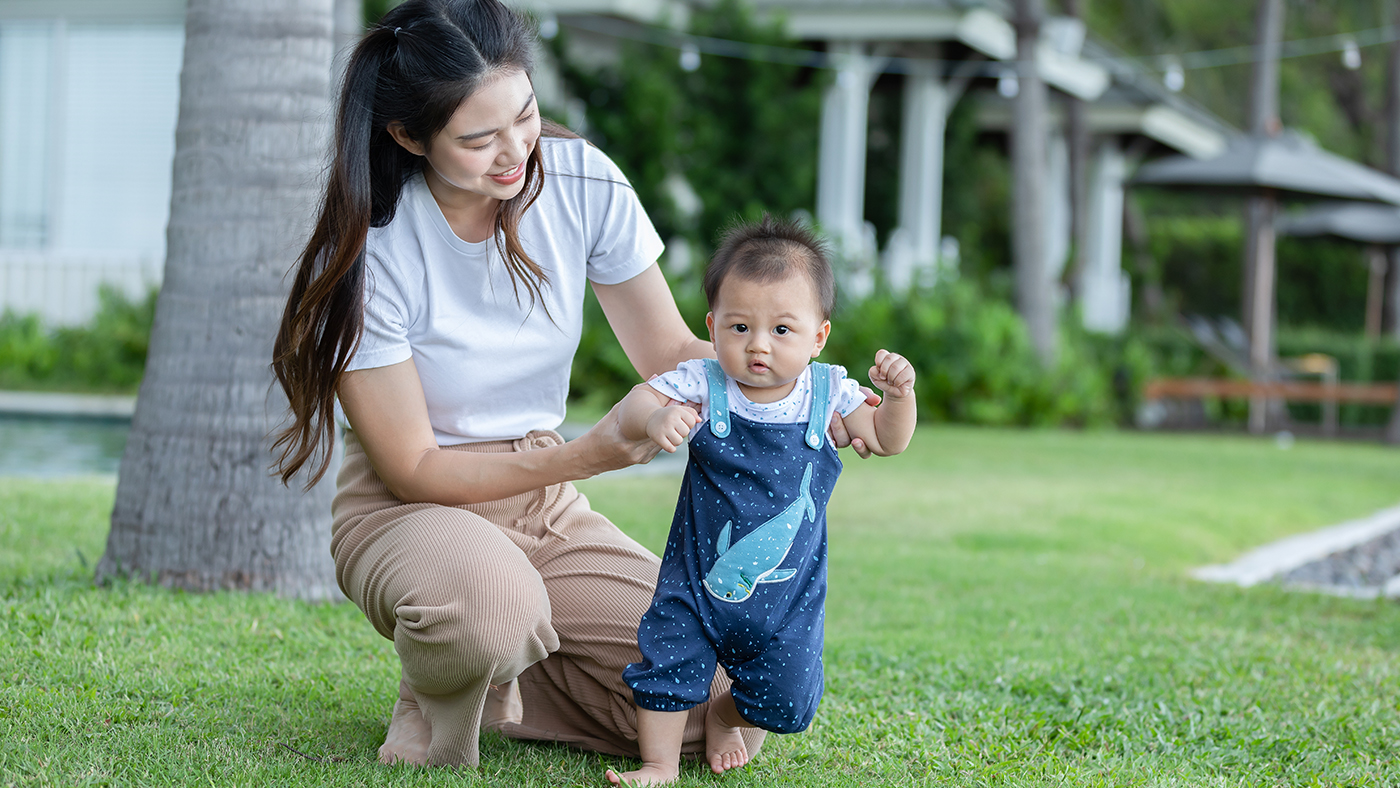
x=822 y=334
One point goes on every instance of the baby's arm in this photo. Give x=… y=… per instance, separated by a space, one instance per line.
x=646 y=412
x=887 y=429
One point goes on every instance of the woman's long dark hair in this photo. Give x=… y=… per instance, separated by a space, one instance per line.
x=416 y=67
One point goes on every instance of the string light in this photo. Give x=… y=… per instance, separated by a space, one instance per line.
x=1185 y=61
x=1174 y=78
x=690 y=57
x=1008 y=84
x=1351 y=54
x=549 y=26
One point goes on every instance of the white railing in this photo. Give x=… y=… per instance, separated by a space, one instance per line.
x=62 y=286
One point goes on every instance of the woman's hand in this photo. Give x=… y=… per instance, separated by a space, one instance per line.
x=604 y=448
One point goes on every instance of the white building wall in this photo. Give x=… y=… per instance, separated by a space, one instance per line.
x=26 y=109
x=99 y=113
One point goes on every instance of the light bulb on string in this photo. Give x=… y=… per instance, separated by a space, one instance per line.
x=1008 y=85
x=1174 y=78
x=549 y=26
x=1351 y=54
x=690 y=57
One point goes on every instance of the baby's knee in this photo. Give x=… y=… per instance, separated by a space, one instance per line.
x=453 y=635
x=779 y=709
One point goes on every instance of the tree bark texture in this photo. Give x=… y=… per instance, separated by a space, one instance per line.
x=1035 y=292
x=196 y=506
x=349 y=20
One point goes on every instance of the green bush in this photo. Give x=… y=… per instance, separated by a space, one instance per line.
x=1321 y=282
x=106 y=355
x=972 y=354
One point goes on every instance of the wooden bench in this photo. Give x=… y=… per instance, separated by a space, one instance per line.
x=1327 y=393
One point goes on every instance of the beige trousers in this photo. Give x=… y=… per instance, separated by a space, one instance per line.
x=536 y=586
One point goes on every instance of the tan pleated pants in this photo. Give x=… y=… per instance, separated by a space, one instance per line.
x=536 y=586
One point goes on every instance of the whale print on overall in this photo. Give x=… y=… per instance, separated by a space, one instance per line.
x=739 y=568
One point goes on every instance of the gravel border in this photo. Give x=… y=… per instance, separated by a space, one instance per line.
x=1358 y=558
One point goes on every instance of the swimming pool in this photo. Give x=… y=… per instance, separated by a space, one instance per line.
x=52 y=446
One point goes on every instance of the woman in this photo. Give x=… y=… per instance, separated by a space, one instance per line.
x=440 y=297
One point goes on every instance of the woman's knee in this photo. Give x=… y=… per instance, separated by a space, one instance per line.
x=462 y=630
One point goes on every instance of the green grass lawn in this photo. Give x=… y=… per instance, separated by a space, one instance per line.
x=1005 y=608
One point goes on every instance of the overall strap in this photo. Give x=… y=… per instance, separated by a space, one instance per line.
x=821 y=399
x=719 y=398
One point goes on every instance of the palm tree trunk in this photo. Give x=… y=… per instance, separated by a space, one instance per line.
x=196 y=506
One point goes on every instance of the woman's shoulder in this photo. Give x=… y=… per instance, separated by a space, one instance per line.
x=578 y=162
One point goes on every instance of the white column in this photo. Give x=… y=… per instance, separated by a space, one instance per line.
x=1106 y=289
x=913 y=249
x=841 y=166
x=1057 y=210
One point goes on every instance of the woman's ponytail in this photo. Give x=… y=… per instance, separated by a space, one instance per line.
x=324 y=317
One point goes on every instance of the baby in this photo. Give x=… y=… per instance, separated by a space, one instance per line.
x=743 y=580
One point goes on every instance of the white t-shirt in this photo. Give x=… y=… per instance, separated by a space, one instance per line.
x=494 y=367
x=688 y=383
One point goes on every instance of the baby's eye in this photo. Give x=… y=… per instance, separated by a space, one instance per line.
x=740 y=328
x=781 y=330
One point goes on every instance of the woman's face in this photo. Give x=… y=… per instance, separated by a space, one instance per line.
x=483 y=148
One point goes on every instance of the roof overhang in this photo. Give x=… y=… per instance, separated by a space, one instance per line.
x=645 y=11
x=1169 y=126
x=980 y=29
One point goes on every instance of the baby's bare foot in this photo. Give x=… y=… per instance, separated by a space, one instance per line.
x=408 y=737
x=724 y=746
x=649 y=774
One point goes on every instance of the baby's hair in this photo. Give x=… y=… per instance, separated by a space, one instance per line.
x=769 y=250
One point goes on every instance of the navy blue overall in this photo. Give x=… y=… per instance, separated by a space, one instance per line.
x=743 y=579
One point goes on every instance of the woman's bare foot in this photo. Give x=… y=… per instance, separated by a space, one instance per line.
x=408 y=736
x=503 y=706
x=649 y=774
x=724 y=747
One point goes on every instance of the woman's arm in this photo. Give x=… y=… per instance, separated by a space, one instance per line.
x=644 y=317
x=388 y=412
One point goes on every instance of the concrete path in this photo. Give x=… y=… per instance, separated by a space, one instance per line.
x=1276 y=560
x=43 y=403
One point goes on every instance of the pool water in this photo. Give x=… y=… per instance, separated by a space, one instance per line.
x=49 y=447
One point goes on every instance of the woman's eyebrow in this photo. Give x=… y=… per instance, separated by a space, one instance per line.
x=488 y=132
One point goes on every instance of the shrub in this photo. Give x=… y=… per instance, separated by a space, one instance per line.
x=108 y=354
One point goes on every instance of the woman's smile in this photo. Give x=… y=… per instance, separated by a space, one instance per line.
x=510 y=176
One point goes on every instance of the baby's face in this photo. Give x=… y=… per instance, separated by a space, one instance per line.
x=766 y=333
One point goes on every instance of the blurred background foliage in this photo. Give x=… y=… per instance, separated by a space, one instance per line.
x=106 y=355
x=742 y=136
